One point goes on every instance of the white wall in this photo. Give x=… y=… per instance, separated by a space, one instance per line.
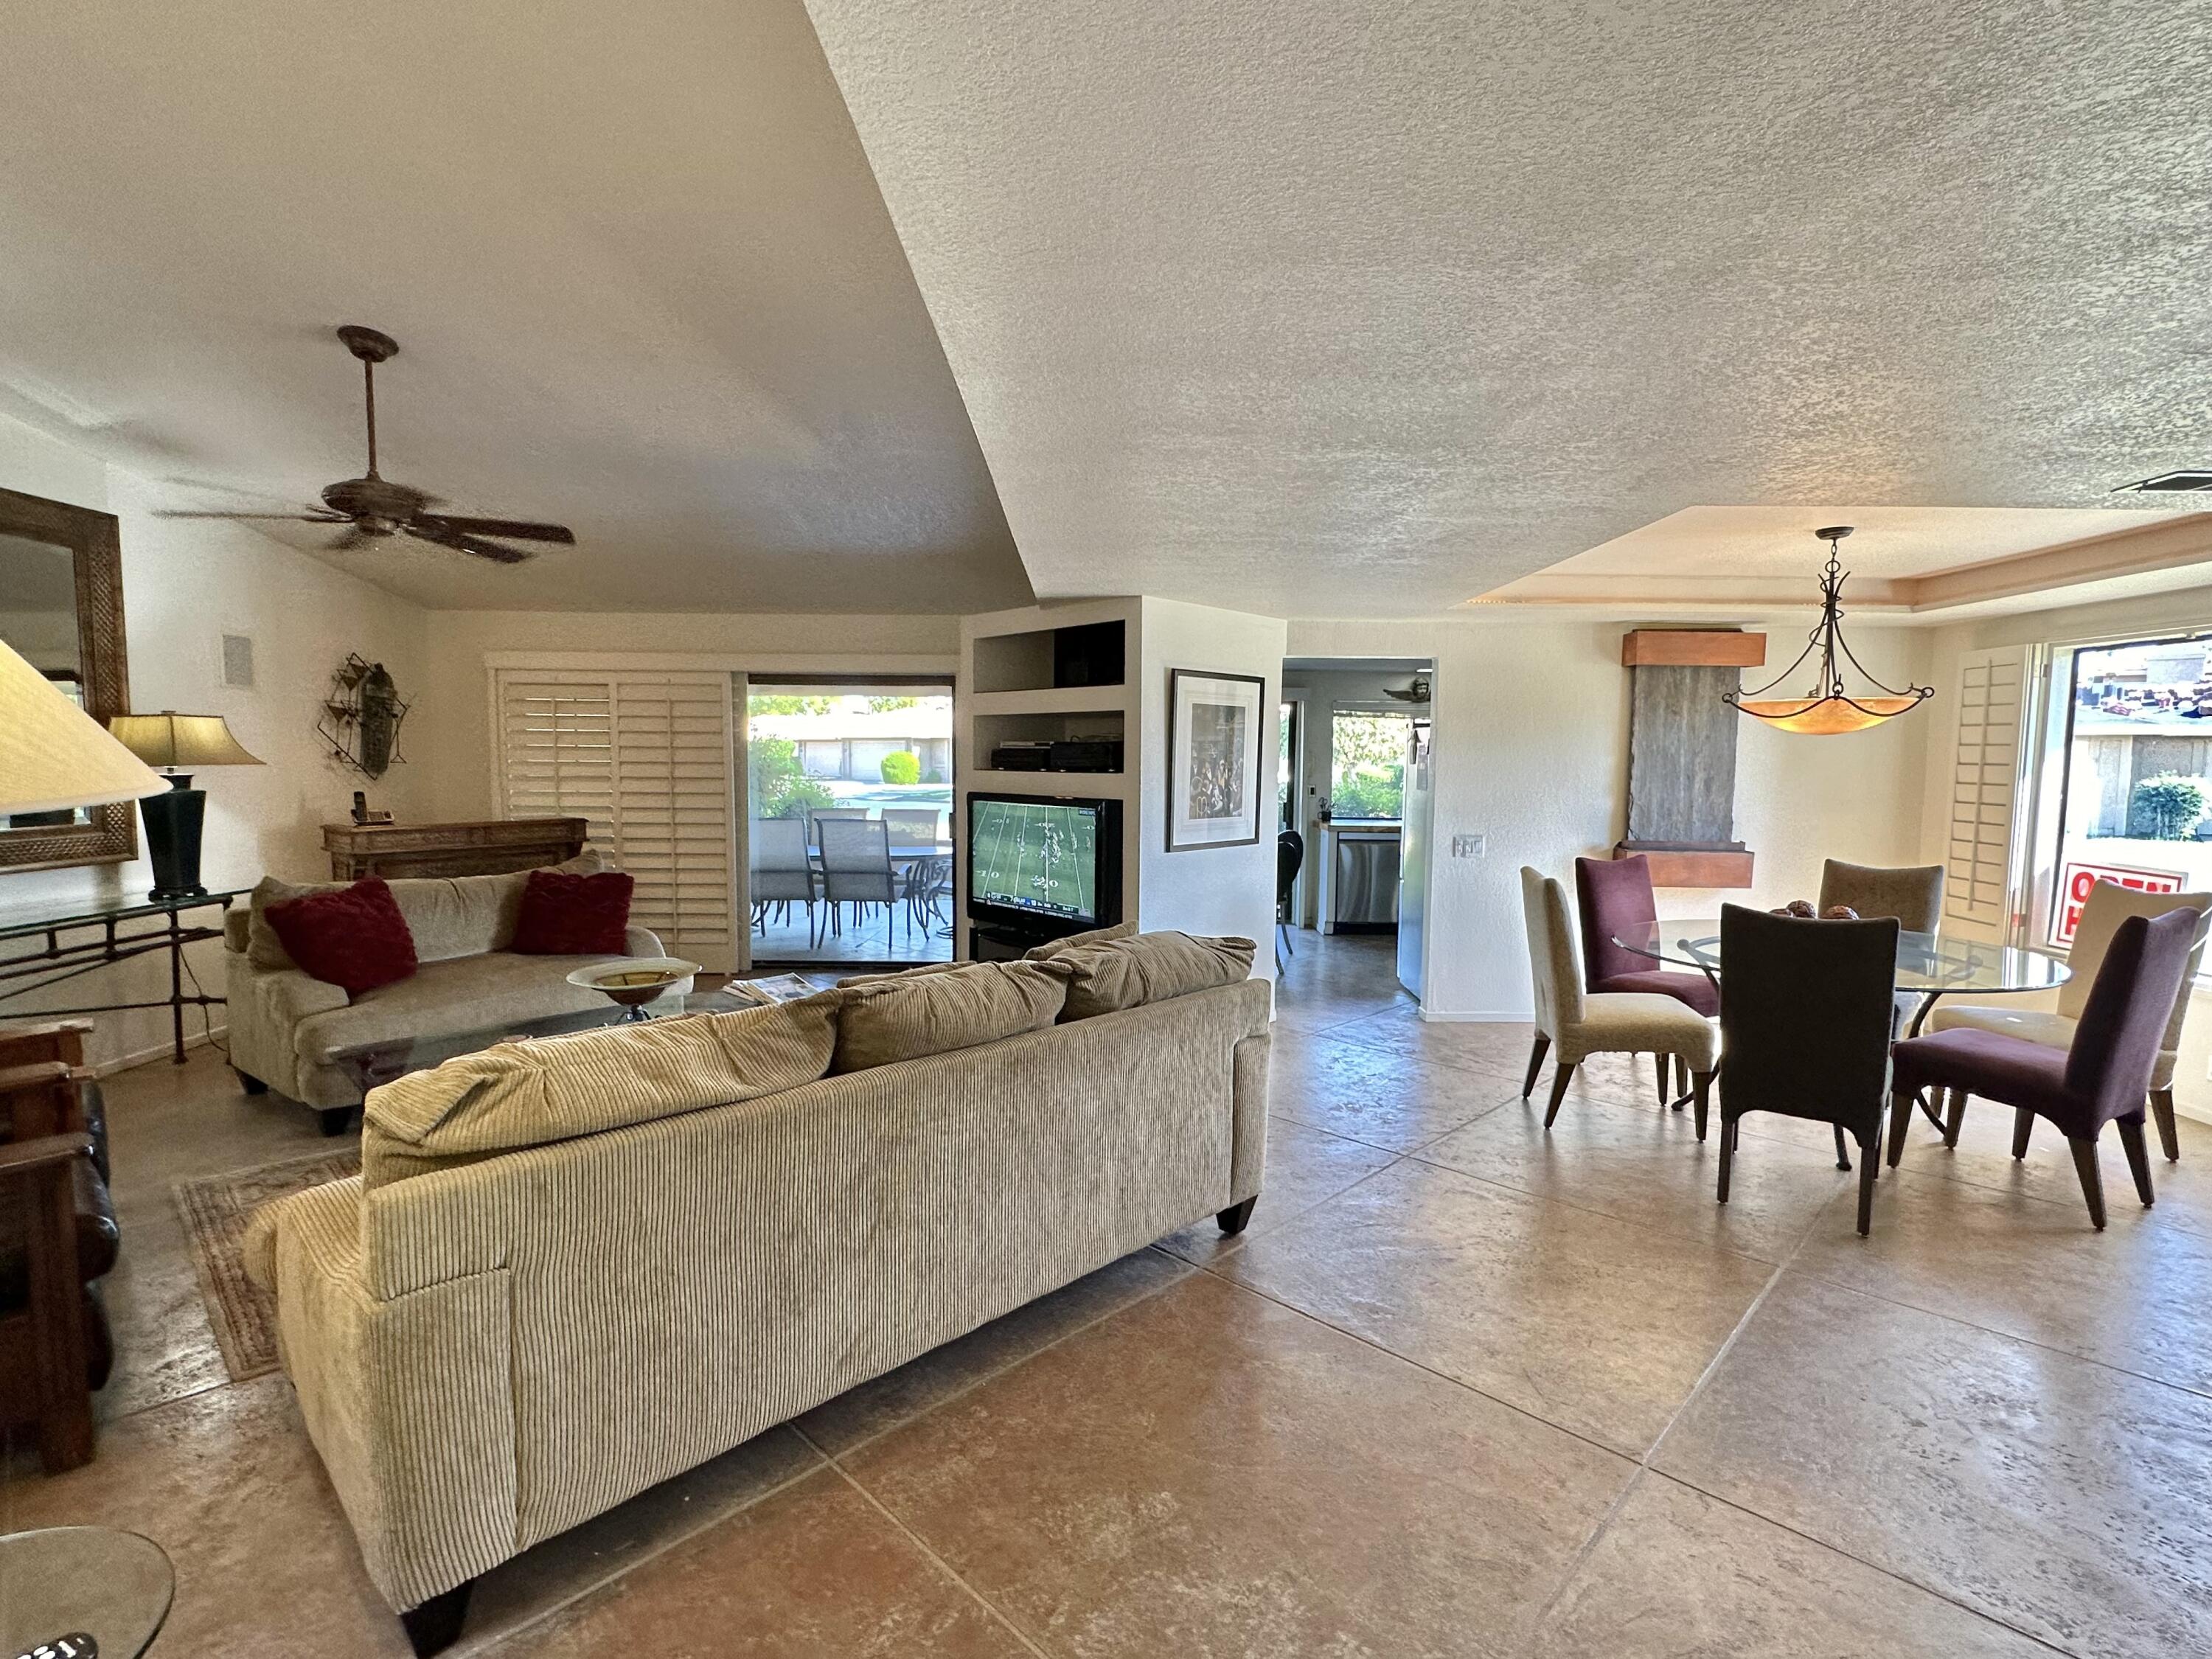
x=1212 y=890
x=1531 y=741
x=185 y=585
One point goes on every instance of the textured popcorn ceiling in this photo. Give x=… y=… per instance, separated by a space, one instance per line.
x=639 y=273
x=1318 y=307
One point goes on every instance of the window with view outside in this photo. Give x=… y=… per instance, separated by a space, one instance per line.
x=2138 y=807
x=1287 y=715
x=1367 y=765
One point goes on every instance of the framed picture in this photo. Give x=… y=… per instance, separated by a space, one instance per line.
x=1213 y=759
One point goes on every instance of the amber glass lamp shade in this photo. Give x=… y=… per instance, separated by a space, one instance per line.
x=1825 y=717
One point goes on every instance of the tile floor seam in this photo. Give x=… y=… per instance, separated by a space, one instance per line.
x=934 y=1558
x=493 y=1640
x=1395 y=1151
x=2003 y=1336
x=1230 y=1246
x=966 y=1389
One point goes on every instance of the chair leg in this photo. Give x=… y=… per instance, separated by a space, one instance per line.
x=2132 y=1143
x=1956 y=1119
x=1702 y=1093
x=1843 y=1157
x=1543 y=1046
x=2093 y=1180
x=1560 y=1074
x=1728 y=1155
x=1900 y=1119
x=2161 y=1108
x=1659 y=1071
x=1869 y=1165
x=2023 y=1125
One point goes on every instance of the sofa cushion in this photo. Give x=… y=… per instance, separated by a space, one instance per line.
x=354 y=938
x=448 y=916
x=904 y=1015
x=549 y=1088
x=565 y=915
x=1125 y=973
x=468 y=993
x=1096 y=936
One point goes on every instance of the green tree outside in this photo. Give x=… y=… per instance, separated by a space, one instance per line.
x=2167 y=807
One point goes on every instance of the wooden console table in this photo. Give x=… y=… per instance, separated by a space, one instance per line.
x=490 y=847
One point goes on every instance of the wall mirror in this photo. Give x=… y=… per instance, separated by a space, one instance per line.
x=61 y=609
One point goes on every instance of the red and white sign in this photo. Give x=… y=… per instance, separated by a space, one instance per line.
x=2081 y=878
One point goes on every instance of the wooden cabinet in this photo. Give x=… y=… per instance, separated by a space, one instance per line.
x=486 y=847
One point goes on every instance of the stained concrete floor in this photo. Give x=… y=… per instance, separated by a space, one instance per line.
x=1463 y=1389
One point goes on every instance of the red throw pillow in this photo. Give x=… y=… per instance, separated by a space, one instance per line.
x=354 y=938
x=565 y=915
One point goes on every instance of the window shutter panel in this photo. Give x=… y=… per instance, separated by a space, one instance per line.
x=1987 y=765
x=645 y=759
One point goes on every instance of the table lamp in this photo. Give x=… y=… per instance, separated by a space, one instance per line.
x=173 y=821
x=53 y=756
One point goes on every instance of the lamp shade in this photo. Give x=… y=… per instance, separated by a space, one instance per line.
x=187 y=741
x=53 y=756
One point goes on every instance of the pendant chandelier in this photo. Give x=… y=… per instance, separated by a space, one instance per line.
x=1827 y=708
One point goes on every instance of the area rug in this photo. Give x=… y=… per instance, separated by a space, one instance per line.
x=216 y=1211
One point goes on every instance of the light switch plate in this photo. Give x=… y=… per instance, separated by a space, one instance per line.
x=1470 y=846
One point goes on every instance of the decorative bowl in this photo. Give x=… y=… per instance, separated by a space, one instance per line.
x=632 y=981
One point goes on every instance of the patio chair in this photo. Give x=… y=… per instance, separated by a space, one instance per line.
x=2102 y=1076
x=1805 y=1024
x=779 y=871
x=856 y=870
x=913 y=826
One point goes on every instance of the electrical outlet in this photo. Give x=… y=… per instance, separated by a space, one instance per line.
x=1470 y=846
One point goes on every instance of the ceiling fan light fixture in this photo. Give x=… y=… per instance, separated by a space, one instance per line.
x=1828 y=708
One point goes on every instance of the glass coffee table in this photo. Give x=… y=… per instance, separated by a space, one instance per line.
x=72 y=1590
x=371 y=1064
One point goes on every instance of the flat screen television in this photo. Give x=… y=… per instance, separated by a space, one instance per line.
x=1043 y=864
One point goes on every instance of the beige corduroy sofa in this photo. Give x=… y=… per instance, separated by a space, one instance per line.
x=493 y=1342
x=284 y=1024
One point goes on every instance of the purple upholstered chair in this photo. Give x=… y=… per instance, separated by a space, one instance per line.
x=2102 y=1078
x=1614 y=897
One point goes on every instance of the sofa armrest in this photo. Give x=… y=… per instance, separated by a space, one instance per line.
x=642 y=942
x=237 y=930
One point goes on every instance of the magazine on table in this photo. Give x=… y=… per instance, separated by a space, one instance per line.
x=777 y=988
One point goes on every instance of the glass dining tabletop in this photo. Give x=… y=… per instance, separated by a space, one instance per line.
x=1929 y=964
x=61 y=1582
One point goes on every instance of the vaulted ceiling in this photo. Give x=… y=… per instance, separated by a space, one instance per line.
x=1322 y=307
x=640 y=275
x=1296 y=305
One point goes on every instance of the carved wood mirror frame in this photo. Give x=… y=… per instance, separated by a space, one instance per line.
x=111 y=837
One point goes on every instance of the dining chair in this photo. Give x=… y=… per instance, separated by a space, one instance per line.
x=818 y=813
x=2107 y=906
x=1912 y=894
x=1582 y=1022
x=2101 y=1077
x=1290 y=859
x=856 y=869
x=1615 y=901
x=779 y=871
x=913 y=826
x=1805 y=1024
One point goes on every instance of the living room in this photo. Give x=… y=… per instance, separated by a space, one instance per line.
x=1248 y=1287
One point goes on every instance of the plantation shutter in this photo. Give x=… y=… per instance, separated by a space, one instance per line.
x=646 y=760
x=1987 y=765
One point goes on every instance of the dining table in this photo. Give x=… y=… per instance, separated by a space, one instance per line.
x=1930 y=966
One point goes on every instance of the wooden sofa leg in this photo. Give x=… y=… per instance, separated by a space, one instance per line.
x=251 y=1083
x=334 y=1119
x=436 y=1624
x=1232 y=1219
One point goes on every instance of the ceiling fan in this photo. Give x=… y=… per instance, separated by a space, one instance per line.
x=372 y=507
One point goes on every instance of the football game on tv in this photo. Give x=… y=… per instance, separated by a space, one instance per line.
x=1047 y=859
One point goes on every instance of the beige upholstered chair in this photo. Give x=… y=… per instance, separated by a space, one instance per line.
x=1914 y=895
x=2107 y=907
x=1581 y=1022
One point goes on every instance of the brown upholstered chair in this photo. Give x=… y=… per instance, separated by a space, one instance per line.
x=1614 y=899
x=1805 y=1025
x=2102 y=1078
x=57 y=1237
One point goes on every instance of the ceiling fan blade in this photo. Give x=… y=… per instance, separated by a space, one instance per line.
x=437 y=534
x=520 y=530
x=292 y=517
